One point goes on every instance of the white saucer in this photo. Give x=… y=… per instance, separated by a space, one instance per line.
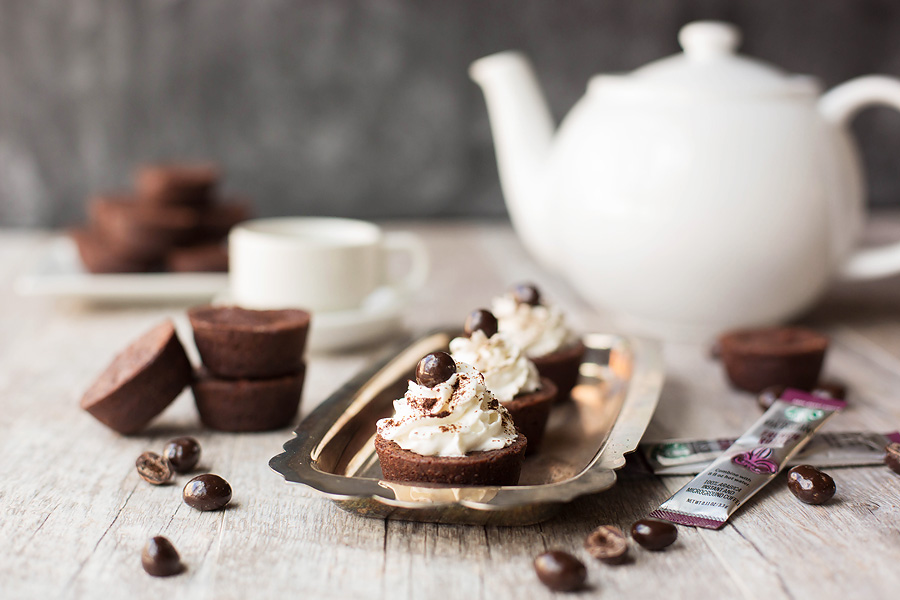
x=380 y=317
x=59 y=273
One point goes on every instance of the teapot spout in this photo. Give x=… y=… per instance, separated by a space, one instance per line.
x=522 y=127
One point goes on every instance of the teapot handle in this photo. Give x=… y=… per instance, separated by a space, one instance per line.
x=839 y=106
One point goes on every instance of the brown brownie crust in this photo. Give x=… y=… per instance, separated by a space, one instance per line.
x=248 y=404
x=217 y=219
x=178 y=184
x=238 y=343
x=491 y=467
x=140 y=382
x=142 y=233
x=530 y=411
x=561 y=367
x=97 y=256
x=205 y=258
x=755 y=359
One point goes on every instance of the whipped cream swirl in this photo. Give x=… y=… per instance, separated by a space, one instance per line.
x=453 y=418
x=537 y=330
x=507 y=371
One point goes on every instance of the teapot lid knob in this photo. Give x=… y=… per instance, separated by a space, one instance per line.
x=709 y=39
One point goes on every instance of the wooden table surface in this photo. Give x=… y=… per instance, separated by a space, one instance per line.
x=74 y=514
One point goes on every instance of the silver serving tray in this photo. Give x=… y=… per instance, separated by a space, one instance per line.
x=333 y=448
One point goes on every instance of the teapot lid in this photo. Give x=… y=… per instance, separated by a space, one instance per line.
x=709 y=65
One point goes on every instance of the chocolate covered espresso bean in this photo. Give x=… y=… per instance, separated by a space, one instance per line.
x=607 y=544
x=207 y=492
x=559 y=571
x=810 y=485
x=183 y=453
x=481 y=319
x=435 y=368
x=654 y=534
x=892 y=457
x=527 y=293
x=160 y=558
x=154 y=468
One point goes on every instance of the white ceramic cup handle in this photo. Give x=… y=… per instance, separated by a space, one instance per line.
x=839 y=106
x=403 y=242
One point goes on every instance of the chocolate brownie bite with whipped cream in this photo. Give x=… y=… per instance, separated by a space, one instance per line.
x=511 y=376
x=540 y=330
x=449 y=429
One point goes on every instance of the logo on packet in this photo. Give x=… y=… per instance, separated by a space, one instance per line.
x=673 y=450
x=799 y=414
x=756 y=460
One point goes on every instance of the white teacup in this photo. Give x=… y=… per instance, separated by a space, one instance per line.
x=318 y=263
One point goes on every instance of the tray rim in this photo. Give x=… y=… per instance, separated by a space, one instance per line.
x=634 y=416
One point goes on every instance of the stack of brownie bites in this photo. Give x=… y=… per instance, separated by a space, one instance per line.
x=253 y=366
x=173 y=221
x=251 y=378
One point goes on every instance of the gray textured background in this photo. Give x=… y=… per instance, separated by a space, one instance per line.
x=351 y=108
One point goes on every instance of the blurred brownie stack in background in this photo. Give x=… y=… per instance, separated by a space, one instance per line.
x=174 y=221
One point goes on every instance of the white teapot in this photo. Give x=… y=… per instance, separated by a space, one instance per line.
x=701 y=192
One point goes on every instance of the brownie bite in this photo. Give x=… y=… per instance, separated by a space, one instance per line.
x=539 y=328
x=98 y=256
x=241 y=405
x=561 y=367
x=142 y=234
x=216 y=220
x=239 y=343
x=140 y=382
x=755 y=359
x=185 y=184
x=198 y=259
x=490 y=467
x=530 y=412
x=448 y=428
x=511 y=376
